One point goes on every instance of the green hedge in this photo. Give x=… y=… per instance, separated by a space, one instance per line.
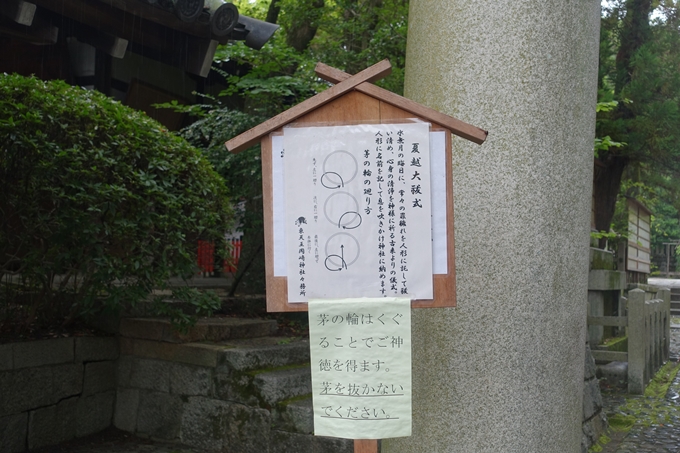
x=98 y=203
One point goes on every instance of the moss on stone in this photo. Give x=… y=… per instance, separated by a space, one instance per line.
x=621 y=422
x=601 y=442
x=284 y=403
x=650 y=409
x=616 y=344
x=278 y=368
x=658 y=387
x=601 y=259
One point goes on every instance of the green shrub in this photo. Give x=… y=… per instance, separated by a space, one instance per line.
x=99 y=204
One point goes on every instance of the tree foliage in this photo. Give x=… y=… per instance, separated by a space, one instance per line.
x=639 y=61
x=99 y=203
x=348 y=34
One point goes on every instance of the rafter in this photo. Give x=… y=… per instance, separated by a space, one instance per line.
x=19 y=11
x=117 y=26
x=40 y=32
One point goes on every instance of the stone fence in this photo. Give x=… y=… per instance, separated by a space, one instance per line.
x=55 y=390
x=648 y=328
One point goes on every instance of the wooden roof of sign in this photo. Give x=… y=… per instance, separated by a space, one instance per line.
x=346 y=83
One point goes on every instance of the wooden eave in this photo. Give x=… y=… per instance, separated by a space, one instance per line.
x=123 y=15
x=40 y=32
x=361 y=82
x=110 y=25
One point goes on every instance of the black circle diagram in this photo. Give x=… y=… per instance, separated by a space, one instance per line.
x=339 y=168
x=342 y=209
x=342 y=250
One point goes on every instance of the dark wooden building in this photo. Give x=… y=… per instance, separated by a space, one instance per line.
x=141 y=52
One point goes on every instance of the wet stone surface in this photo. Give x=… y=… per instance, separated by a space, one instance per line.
x=657 y=425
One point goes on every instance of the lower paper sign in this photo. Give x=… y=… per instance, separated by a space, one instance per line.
x=361 y=367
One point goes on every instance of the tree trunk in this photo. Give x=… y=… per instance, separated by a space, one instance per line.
x=634 y=33
x=303 y=31
x=609 y=169
x=273 y=12
x=606 y=186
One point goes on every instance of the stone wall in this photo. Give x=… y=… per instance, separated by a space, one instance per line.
x=225 y=386
x=54 y=390
x=605 y=284
x=594 y=419
x=236 y=395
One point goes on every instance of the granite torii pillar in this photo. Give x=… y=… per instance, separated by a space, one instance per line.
x=503 y=371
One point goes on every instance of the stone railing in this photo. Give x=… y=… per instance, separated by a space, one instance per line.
x=648 y=328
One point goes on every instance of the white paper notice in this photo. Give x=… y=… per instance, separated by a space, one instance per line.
x=361 y=367
x=358 y=211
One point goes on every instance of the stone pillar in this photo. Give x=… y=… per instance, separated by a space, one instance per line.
x=503 y=371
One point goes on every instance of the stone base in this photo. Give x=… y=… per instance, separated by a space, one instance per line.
x=54 y=390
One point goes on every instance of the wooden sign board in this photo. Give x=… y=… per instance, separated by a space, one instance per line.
x=354 y=100
x=370 y=111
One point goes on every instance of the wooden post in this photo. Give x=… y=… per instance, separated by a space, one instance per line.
x=365 y=446
x=102 y=72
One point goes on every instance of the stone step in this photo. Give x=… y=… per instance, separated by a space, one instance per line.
x=265 y=388
x=283 y=384
x=259 y=353
x=232 y=356
x=263 y=371
x=206 y=329
x=296 y=415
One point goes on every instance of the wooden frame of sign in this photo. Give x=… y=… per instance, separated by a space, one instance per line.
x=354 y=100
